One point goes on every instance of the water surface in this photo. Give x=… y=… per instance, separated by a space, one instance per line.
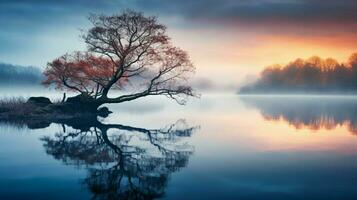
x=221 y=146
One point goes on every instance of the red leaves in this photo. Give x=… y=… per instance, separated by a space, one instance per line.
x=79 y=71
x=131 y=46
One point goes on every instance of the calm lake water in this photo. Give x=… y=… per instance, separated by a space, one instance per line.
x=222 y=146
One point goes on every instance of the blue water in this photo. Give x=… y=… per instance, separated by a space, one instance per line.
x=221 y=146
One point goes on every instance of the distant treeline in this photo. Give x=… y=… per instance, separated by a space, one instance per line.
x=311 y=75
x=15 y=75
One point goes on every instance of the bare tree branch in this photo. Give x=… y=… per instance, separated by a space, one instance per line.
x=126 y=48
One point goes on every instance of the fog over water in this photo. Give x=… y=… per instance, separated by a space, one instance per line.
x=275 y=115
x=239 y=146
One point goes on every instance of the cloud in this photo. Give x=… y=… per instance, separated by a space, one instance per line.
x=301 y=16
x=23 y=22
x=293 y=12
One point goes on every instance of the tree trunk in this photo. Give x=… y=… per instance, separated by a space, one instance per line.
x=82 y=103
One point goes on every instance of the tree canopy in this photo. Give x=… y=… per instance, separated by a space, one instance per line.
x=130 y=52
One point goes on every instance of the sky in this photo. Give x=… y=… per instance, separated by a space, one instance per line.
x=229 y=41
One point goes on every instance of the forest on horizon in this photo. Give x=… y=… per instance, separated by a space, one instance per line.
x=19 y=75
x=313 y=75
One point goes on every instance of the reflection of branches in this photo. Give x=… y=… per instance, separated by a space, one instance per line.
x=124 y=162
x=311 y=113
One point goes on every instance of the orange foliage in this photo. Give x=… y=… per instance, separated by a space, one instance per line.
x=80 y=72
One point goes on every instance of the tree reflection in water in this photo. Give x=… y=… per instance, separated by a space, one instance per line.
x=124 y=162
x=308 y=112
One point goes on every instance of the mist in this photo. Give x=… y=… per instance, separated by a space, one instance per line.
x=314 y=75
x=15 y=75
x=309 y=112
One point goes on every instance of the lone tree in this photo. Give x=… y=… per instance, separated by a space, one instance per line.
x=128 y=52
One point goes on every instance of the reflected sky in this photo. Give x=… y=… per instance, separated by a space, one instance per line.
x=314 y=113
x=119 y=161
x=246 y=148
x=128 y=163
